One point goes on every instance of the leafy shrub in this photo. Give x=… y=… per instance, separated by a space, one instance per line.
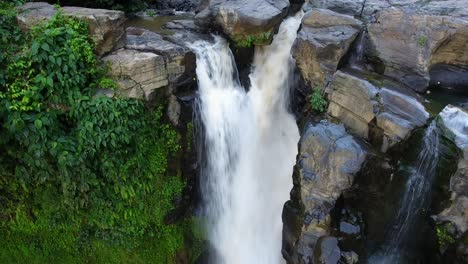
x=83 y=178
x=317 y=101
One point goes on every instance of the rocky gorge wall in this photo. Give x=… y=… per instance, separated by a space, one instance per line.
x=373 y=60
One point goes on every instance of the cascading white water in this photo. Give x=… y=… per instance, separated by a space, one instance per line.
x=250 y=147
x=414 y=203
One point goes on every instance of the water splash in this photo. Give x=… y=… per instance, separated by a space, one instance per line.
x=250 y=147
x=415 y=201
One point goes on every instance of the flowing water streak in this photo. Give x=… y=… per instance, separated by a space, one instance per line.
x=250 y=147
x=415 y=201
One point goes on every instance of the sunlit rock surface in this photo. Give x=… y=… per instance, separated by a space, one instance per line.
x=381 y=111
x=323 y=40
x=106 y=27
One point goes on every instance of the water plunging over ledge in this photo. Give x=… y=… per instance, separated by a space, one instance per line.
x=250 y=147
x=414 y=203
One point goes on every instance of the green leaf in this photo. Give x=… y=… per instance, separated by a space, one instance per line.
x=38 y=124
x=45 y=46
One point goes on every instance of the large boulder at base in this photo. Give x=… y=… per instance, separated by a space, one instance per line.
x=323 y=40
x=139 y=74
x=382 y=111
x=106 y=27
x=405 y=45
x=456 y=121
x=328 y=160
x=244 y=20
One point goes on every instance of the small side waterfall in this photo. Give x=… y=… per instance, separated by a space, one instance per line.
x=415 y=200
x=250 y=147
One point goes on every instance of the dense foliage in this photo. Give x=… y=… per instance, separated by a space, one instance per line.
x=83 y=178
x=124 y=5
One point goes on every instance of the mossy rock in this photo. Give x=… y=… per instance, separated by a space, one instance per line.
x=250 y=40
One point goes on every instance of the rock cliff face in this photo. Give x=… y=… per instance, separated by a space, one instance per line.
x=323 y=40
x=372 y=59
x=328 y=160
x=455 y=215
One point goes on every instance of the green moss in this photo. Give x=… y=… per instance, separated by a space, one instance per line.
x=248 y=41
x=190 y=136
x=422 y=41
x=444 y=237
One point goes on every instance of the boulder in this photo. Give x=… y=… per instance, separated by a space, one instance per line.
x=106 y=27
x=382 y=111
x=455 y=120
x=328 y=160
x=323 y=40
x=179 y=60
x=139 y=74
x=244 y=21
x=405 y=45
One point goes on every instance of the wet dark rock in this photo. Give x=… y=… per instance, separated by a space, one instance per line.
x=327 y=251
x=450 y=77
x=456 y=122
x=350 y=257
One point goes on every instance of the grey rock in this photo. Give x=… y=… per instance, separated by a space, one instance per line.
x=350 y=257
x=455 y=120
x=106 y=27
x=323 y=40
x=173 y=110
x=328 y=251
x=239 y=19
x=179 y=60
x=139 y=74
x=408 y=44
x=328 y=160
x=363 y=106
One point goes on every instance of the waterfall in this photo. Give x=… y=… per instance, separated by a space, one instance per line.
x=250 y=147
x=415 y=200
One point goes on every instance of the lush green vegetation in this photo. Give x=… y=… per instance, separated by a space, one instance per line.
x=124 y=5
x=248 y=41
x=83 y=178
x=317 y=101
